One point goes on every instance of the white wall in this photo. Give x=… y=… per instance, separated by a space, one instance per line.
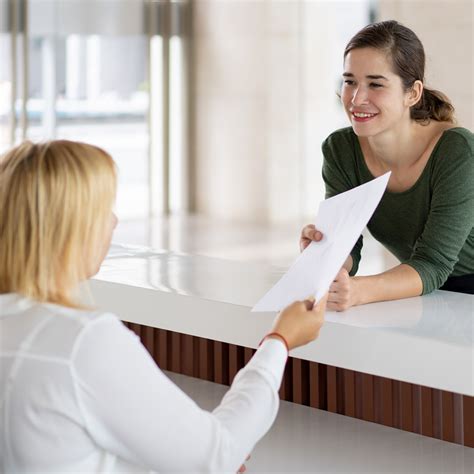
x=266 y=75
x=446 y=31
x=265 y=80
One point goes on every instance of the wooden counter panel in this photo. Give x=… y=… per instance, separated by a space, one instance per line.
x=430 y=412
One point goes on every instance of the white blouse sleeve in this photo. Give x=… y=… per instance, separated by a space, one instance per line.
x=131 y=409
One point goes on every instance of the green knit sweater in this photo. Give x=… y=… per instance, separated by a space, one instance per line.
x=431 y=225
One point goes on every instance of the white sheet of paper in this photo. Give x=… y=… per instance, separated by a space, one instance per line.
x=341 y=219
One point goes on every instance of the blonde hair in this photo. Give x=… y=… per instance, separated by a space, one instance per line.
x=55 y=204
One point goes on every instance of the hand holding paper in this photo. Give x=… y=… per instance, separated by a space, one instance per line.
x=341 y=219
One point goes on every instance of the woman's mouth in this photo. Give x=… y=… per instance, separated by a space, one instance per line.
x=362 y=116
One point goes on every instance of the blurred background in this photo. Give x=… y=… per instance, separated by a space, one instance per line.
x=215 y=110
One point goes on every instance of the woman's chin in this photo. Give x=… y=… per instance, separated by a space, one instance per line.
x=363 y=131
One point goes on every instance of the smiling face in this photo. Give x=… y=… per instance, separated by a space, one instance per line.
x=372 y=94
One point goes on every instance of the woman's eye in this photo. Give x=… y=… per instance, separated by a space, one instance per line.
x=375 y=85
x=349 y=82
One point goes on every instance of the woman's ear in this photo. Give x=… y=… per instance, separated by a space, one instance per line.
x=414 y=95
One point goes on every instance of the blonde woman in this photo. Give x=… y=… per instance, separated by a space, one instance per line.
x=78 y=391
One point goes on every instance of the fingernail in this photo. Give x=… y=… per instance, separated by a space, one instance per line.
x=318 y=236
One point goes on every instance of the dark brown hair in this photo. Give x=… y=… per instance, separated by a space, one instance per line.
x=408 y=60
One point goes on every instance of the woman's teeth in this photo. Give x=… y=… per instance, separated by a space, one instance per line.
x=362 y=115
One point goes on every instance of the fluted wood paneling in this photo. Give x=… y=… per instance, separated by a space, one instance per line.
x=468 y=423
x=430 y=412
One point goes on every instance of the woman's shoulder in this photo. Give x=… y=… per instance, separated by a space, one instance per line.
x=76 y=322
x=454 y=147
x=60 y=328
x=457 y=138
x=452 y=160
x=81 y=316
x=91 y=331
x=342 y=160
x=341 y=137
x=340 y=144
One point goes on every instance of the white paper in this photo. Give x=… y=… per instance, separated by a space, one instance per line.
x=341 y=219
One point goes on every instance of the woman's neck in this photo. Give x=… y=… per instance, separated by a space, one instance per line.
x=404 y=152
x=397 y=148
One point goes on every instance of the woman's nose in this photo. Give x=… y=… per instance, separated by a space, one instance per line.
x=359 y=96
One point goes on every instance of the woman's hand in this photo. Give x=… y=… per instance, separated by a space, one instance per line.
x=300 y=322
x=308 y=235
x=341 y=292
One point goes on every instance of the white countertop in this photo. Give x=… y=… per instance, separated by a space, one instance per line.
x=426 y=340
x=305 y=439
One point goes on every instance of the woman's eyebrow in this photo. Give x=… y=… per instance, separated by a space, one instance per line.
x=376 y=76
x=369 y=76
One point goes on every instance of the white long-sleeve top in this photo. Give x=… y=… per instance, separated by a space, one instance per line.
x=80 y=393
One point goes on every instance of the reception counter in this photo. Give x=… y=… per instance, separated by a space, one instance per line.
x=407 y=364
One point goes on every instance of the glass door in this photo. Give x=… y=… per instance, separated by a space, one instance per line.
x=13 y=72
x=102 y=72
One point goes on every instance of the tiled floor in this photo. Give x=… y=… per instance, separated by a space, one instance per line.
x=305 y=439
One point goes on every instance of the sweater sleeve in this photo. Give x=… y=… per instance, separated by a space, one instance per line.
x=451 y=216
x=131 y=409
x=339 y=179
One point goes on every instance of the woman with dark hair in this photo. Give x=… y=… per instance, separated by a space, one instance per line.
x=426 y=216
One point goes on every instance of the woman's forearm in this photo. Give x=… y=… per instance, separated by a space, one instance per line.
x=402 y=281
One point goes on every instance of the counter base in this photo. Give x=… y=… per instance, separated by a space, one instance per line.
x=414 y=408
